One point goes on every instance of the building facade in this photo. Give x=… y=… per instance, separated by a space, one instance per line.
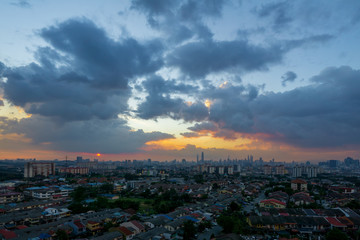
x=33 y=169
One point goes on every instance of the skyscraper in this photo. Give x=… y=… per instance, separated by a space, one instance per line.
x=202 y=156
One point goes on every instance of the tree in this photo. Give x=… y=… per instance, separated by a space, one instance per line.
x=107 y=188
x=61 y=234
x=199 y=178
x=79 y=194
x=227 y=223
x=189 y=230
x=336 y=234
x=77 y=207
x=234 y=206
x=353 y=204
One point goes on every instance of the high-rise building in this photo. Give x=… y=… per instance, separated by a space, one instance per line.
x=202 y=157
x=311 y=171
x=32 y=169
x=280 y=170
x=267 y=170
x=79 y=159
x=230 y=170
x=297 y=171
x=333 y=163
x=211 y=169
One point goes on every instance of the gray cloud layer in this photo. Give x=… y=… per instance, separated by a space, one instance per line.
x=324 y=114
x=83 y=75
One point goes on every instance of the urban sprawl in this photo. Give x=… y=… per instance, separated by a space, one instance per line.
x=202 y=199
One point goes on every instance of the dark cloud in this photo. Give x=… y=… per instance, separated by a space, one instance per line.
x=83 y=75
x=204 y=126
x=1 y=103
x=288 y=77
x=111 y=64
x=279 y=12
x=180 y=20
x=323 y=114
x=159 y=102
x=191 y=134
x=2 y=68
x=21 y=3
x=197 y=59
x=200 y=58
x=157 y=85
x=111 y=136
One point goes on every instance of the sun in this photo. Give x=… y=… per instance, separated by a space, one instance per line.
x=98 y=154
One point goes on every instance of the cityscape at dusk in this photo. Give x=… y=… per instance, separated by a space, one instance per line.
x=179 y=120
x=168 y=79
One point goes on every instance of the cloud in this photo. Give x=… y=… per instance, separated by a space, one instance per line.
x=1 y=103
x=191 y=134
x=204 y=126
x=288 y=77
x=324 y=114
x=110 y=136
x=21 y=3
x=83 y=74
x=197 y=59
x=159 y=102
x=290 y=16
x=111 y=64
x=279 y=12
x=180 y=20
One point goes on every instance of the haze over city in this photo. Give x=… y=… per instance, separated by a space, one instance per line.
x=171 y=79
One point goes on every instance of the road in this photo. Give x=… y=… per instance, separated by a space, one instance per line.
x=250 y=206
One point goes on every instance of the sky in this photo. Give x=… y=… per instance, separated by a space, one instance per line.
x=167 y=80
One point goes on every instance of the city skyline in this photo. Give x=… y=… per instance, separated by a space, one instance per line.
x=171 y=79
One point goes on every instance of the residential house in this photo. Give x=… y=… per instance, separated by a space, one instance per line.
x=94 y=226
x=126 y=231
x=78 y=226
x=299 y=185
x=301 y=198
x=175 y=225
x=116 y=235
x=272 y=203
x=10 y=197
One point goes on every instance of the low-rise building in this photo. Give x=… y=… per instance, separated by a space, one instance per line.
x=272 y=203
x=299 y=185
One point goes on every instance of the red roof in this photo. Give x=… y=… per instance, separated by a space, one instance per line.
x=284 y=214
x=333 y=221
x=92 y=222
x=299 y=181
x=125 y=231
x=138 y=225
x=273 y=201
x=79 y=224
x=7 y=234
x=21 y=226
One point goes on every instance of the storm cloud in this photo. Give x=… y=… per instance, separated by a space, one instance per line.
x=106 y=136
x=159 y=102
x=83 y=75
x=323 y=114
x=180 y=20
